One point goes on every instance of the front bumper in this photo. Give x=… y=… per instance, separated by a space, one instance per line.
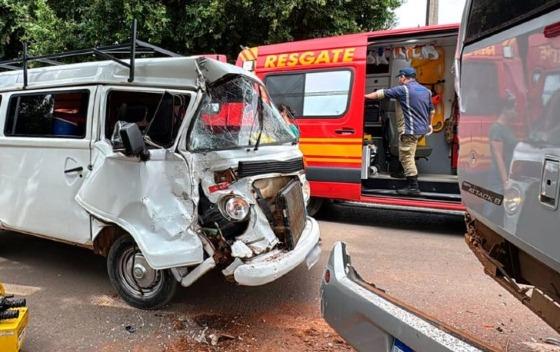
x=274 y=264
x=370 y=320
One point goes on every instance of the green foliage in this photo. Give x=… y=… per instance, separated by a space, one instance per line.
x=188 y=27
x=13 y=17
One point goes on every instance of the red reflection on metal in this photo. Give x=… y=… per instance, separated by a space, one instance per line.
x=327 y=276
x=552 y=31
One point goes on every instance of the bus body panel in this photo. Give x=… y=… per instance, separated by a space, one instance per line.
x=333 y=145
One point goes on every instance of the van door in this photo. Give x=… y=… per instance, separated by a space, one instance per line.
x=152 y=200
x=45 y=144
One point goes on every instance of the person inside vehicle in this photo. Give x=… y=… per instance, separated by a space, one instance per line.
x=288 y=117
x=418 y=110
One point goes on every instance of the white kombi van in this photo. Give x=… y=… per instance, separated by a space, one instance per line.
x=169 y=167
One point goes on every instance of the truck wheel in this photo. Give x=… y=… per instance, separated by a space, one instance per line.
x=135 y=281
x=314 y=206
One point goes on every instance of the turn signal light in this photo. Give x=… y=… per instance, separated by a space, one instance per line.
x=218 y=187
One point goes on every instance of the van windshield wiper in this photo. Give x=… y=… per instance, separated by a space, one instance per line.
x=261 y=120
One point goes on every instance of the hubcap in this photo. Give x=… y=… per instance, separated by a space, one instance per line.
x=139 y=272
x=137 y=275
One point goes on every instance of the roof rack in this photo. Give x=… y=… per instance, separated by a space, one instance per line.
x=136 y=46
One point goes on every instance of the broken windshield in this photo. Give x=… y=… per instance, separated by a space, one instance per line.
x=230 y=117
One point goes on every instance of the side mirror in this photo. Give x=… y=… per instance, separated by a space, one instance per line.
x=133 y=141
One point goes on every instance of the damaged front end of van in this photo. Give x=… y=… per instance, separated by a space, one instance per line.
x=227 y=193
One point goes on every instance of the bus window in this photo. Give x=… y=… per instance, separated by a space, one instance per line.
x=326 y=93
x=321 y=94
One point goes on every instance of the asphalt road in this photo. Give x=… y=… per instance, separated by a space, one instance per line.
x=419 y=258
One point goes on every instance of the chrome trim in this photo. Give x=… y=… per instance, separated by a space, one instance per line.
x=404 y=207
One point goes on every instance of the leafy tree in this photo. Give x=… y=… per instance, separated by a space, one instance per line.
x=13 y=16
x=185 y=26
x=222 y=26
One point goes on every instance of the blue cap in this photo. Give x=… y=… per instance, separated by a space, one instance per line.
x=407 y=72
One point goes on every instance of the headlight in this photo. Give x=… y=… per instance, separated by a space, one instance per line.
x=235 y=208
x=306 y=189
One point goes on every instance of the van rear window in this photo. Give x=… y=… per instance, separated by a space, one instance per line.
x=51 y=114
x=490 y=16
x=319 y=94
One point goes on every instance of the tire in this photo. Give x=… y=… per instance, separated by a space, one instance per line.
x=314 y=206
x=149 y=289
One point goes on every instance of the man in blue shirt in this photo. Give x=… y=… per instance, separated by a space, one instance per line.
x=415 y=101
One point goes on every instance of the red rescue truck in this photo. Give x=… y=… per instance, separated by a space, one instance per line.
x=351 y=145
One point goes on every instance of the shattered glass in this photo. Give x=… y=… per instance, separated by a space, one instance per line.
x=233 y=114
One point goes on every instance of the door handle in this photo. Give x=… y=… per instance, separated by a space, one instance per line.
x=345 y=130
x=550 y=182
x=76 y=169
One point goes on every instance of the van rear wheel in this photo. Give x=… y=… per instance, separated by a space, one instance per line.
x=135 y=281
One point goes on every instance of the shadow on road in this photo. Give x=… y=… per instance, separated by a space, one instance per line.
x=35 y=251
x=73 y=285
x=39 y=260
x=426 y=222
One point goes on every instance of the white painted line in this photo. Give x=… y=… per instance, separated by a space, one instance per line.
x=20 y=290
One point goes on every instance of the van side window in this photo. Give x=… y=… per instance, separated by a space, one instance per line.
x=165 y=109
x=490 y=16
x=51 y=115
x=312 y=94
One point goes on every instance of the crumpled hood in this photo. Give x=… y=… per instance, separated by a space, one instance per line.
x=214 y=70
x=259 y=236
x=224 y=159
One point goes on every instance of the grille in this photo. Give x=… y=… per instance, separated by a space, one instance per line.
x=252 y=168
x=290 y=202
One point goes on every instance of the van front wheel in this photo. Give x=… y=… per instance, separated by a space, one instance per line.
x=135 y=281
